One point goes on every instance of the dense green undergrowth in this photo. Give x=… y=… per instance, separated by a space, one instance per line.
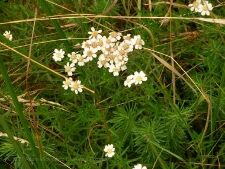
x=173 y=120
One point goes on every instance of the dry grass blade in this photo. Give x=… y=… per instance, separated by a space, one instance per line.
x=172 y=69
x=88 y=16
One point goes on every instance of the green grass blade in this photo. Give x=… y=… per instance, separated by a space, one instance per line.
x=14 y=142
x=18 y=108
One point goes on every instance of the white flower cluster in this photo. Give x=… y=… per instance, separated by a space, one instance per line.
x=111 y=52
x=8 y=35
x=201 y=6
x=113 y=49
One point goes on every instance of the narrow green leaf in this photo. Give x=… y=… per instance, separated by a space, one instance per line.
x=18 y=108
x=14 y=142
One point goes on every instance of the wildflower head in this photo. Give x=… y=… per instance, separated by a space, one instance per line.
x=73 y=57
x=76 y=86
x=205 y=8
x=95 y=34
x=195 y=5
x=8 y=35
x=137 y=42
x=115 y=36
x=136 y=78
x=58 y=55
x=114 y=69
x=139 y=166
x=81 y=59
x=69 y=68
x=139 y=77
x=109 y=150
x=129 y=81
x=67 y=83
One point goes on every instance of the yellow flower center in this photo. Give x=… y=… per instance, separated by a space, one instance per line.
x=122 y=52
x=111 y=57
x=67 y=69
x=195 y=4
x=205 y=8
x=108 y=41
x=67 y=83
x=100 y=43
x=87 y=45
x=7 y=36
x=73 y=56
x=125 y=46
x=94 y=44
x=109 y=151
x=128 y=80
x=89 y=53
x=76 y=86
x=113 y=34
x=103 y=62
x=115 y=69
x=58 y=55
x=138 y=42
x=80 y=59
x=138 y=78
x=95 y=33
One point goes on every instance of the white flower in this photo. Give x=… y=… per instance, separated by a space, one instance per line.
x=205 y=8
x=89 y=54
x=195 y=5
x=115 y=36
x=86 y=44
x=129 y=81
x=137 y=42
x=139 y=166
x=95 y=34
x=110 y=57
x=139 y=77
x=102 y=61
x=80 y=60
x=127 y=38
x=127 y=47
x=69 y=68
x=109 y=149
x=73 y=57
x=100 y=44
x=123 y=67
x=58 y=55
x=96 y=44
x=121 y=60
x=106 y=44
x=76 y=86
x=66 y=83
x=114 y=69
x=8 y=35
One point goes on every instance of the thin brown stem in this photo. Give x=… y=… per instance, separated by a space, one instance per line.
x=31 y=108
